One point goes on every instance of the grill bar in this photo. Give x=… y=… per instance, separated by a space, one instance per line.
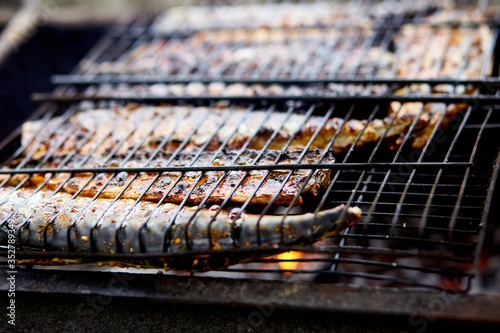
x=484 y=219
x=482 y=99
x=86 y=79
x=91 y=257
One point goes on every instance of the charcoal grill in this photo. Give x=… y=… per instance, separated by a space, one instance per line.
x=425 y=211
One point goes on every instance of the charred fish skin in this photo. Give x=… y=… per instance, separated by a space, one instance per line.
x=302 y=229
x=179 y=186
x=105 y=227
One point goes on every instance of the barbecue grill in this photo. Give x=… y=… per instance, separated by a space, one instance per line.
x=425 y=211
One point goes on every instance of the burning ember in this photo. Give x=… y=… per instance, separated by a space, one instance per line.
x=287 y=262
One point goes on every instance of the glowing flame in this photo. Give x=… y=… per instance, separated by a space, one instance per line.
x=289 y=265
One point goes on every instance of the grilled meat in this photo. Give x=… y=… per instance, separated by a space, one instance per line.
x=82 y=225
x=178 y=186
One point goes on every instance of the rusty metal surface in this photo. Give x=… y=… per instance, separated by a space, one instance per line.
x=298 y=296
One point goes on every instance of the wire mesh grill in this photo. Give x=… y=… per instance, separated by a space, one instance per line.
x=424 y=189
x=377 y=47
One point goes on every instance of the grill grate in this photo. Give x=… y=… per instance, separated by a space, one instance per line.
x=424 y=210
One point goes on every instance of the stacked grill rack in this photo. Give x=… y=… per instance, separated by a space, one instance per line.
x=424 y=210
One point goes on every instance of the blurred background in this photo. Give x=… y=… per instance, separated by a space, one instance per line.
x=44 y=37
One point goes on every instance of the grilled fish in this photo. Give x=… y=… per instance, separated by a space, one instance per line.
x=285 y=15
x=146 y=126
x=168 y=182
x=104 y=226
x=451 y=52
x=261 y=53
x=271 y=15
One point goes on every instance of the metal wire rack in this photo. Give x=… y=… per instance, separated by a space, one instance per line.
x=424 y=209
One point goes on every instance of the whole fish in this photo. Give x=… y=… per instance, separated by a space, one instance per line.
x=55 y=221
